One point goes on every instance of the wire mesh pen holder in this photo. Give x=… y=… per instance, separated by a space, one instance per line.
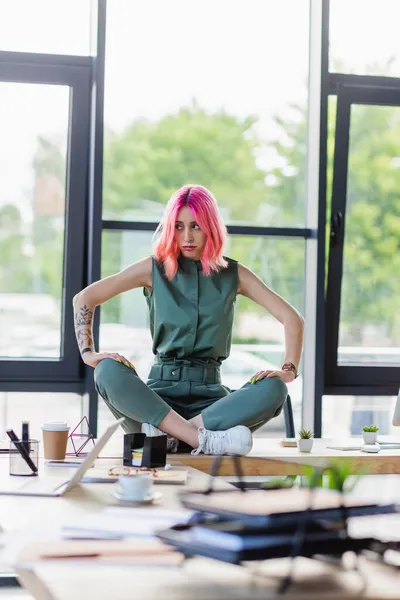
x=77 y=437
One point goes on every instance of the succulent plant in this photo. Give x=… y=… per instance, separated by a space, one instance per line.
x=305 y=434
x=371 y=428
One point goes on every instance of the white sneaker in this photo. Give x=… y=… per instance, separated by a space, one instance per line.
x=234 y=441
x=152 y=431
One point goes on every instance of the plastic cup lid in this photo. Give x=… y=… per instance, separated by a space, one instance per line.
x=55 y=426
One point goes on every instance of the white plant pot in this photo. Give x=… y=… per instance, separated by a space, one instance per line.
x=305 y=445
x=370 y=437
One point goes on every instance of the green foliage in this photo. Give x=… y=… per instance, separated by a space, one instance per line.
x=372 y=240
x=289 y=188
x=279 y=482
x=149 y=160
x=371 y=252
x=305 y=434
x=371 y=428
x=338 y=475
x=15 y=264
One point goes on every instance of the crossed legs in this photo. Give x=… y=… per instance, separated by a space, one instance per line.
x=128 y=396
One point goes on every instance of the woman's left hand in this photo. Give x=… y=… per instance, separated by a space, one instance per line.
x=286 y=376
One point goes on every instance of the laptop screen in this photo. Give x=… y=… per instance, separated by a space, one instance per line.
x=93 y=454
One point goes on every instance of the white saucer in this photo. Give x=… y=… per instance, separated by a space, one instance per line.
x=148 y=500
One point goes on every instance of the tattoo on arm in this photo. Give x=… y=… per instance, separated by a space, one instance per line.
x=84 y=317
x=85 y=338
x=83 y=328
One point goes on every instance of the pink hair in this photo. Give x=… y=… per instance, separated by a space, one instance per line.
x=205 y=210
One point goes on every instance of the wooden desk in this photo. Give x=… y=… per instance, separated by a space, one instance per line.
x=267 y=458
x=19 y=512
x=198 y=579
x=201 y=579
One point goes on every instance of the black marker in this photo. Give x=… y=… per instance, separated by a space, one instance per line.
x=21 y=450
x=25 y=436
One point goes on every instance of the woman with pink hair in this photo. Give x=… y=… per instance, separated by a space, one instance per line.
x=190 y=289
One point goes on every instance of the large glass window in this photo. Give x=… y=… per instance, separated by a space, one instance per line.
x=34 y=123
x=212 y=93
x=44 y=119
x=345 y=416
x=37 y=408
x=221 y=100
x=362 y=325
x=369 y=325
x=46 y=26
x=363 y=36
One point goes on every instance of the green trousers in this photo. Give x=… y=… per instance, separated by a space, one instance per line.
x=128 y=396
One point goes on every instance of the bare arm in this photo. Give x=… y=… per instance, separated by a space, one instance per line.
x=252 y=287
x=137 y=275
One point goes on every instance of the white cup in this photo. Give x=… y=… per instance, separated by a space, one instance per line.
x=55 y=426
x=134 y=488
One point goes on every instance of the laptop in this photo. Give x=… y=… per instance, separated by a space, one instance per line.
x=52 y=487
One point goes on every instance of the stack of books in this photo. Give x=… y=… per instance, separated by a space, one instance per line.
x=241 y=526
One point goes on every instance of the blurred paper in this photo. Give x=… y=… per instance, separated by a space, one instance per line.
x=124 y=523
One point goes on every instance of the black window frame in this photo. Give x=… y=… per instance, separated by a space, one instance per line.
x=41 y=374
x=367 y=378
x=324 y=384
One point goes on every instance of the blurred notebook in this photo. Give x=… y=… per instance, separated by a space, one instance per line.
x=281 y=506
x=233 y=535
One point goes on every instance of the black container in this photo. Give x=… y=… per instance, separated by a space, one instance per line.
x=154 y=449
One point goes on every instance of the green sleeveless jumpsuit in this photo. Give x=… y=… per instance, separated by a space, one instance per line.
x=191 y=326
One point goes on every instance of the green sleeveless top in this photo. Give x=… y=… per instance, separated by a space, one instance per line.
x=191 y=316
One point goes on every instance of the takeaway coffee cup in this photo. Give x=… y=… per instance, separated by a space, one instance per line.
x=55 y=436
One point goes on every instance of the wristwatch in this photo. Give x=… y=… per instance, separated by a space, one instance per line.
x=289 y=366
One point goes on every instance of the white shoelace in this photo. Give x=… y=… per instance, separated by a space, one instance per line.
x=210 y=442
x=202 y=439
x=215 y=443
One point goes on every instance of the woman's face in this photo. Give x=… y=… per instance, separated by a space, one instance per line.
x=188 y=235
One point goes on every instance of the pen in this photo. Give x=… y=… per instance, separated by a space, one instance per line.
x=25 y=436
x=64 y=556
x=21 y=449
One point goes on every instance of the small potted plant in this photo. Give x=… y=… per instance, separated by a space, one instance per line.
x=305 y=441
x=370 y=434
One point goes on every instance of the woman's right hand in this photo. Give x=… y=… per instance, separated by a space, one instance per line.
x=93 y=358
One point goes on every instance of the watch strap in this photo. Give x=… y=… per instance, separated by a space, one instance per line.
x=289 y=366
